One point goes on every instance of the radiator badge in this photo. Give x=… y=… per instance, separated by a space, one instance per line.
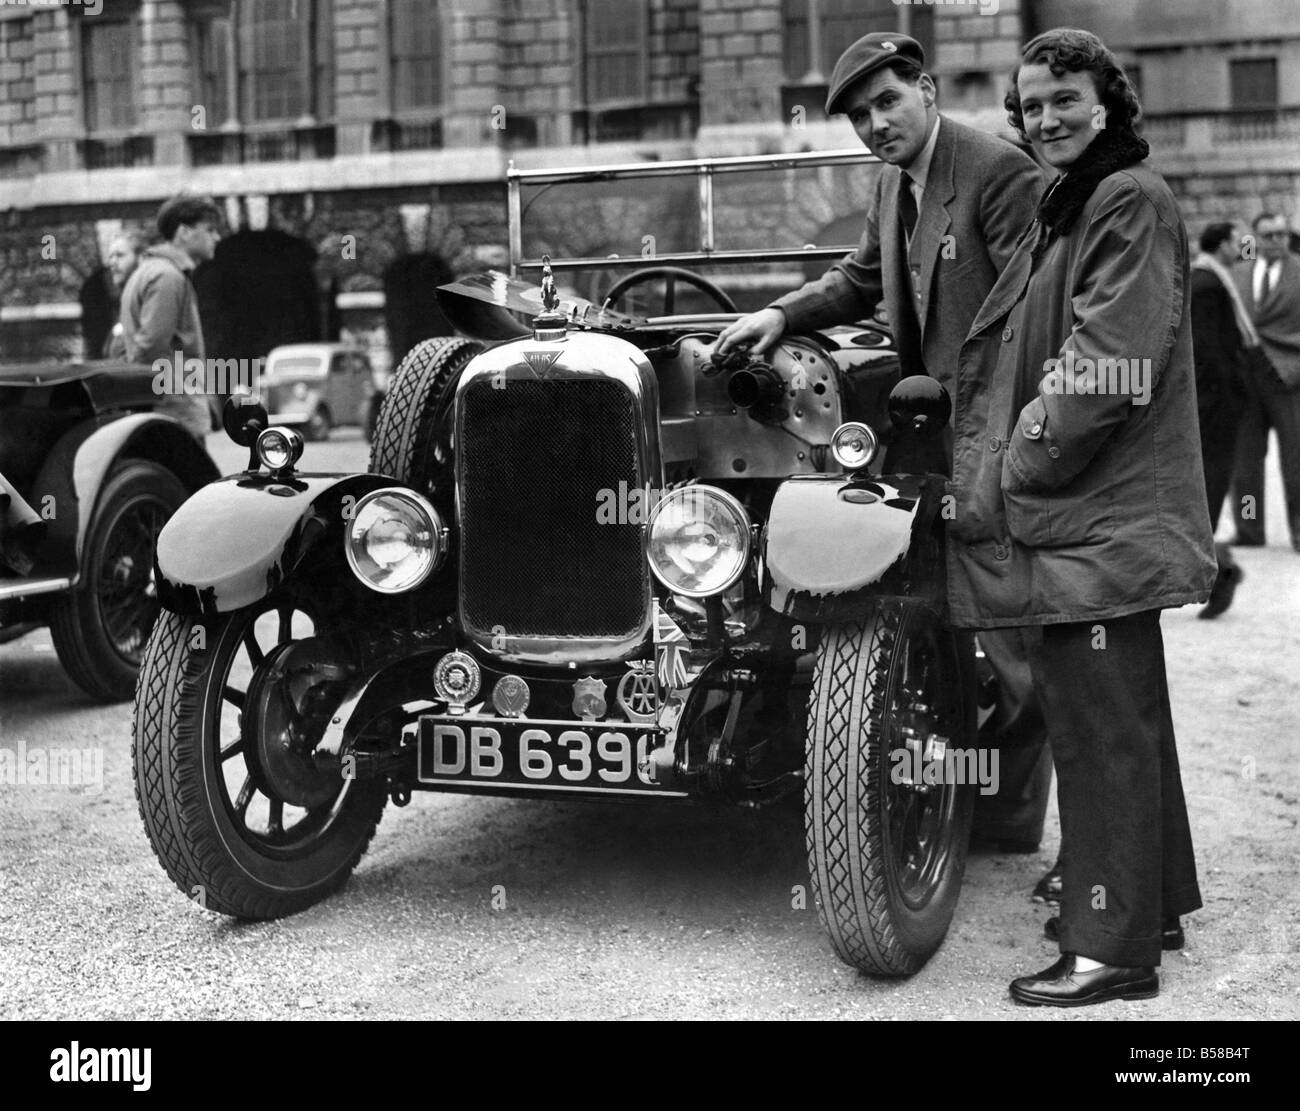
x=636 y=694
x=456 y=679
x=671 y=651
x=510 y=696
x=540 y=362
x=589 y=698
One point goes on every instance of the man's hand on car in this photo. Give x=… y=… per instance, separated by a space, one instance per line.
x=759 y=330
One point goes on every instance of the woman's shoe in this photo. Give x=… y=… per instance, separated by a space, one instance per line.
x=1048 y=889
x=1171 y=932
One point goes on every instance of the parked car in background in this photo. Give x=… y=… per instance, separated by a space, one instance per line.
x=89 y=475
x=318 y=386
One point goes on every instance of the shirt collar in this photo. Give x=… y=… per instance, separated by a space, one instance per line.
x=919 y=170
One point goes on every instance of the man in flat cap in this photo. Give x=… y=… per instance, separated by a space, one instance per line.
x=941 y=223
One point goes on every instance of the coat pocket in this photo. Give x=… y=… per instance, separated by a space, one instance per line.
x=1078 y=513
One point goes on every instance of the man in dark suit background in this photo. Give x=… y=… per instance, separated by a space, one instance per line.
x=944 y=218
x=1271 y=289
x=1222 y=334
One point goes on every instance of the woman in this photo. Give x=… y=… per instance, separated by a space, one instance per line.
x=1081 y=505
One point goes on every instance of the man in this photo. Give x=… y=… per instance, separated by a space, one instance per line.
x=123 y=257
x=160 y=309
x=1222 y=334
x=1271 y=288
x=945 y=215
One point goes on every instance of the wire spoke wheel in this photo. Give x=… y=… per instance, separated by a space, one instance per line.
x=226 y=718
x=887 y=813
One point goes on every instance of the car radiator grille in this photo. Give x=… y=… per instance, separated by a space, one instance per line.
x=535 y=459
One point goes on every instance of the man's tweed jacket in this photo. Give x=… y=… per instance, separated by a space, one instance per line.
x=980 y=195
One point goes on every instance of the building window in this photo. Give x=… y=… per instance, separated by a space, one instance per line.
x=214 y=65
x=1253 y=83
x=614 y=39
x=817 y=32
x=415 y=56
x=108 y=75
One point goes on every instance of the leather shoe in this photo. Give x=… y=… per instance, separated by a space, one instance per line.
x=1171 y=932
x=1225 y=586
x=1062 y=986
x=1048 y=889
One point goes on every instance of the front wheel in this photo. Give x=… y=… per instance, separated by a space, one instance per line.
x=226 y=714
x=889 y=785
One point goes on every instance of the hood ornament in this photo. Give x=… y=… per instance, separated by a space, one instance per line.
x=549 y=324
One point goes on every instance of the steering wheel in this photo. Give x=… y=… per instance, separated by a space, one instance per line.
x=671 y=276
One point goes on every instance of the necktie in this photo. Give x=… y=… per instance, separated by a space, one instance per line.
x=906 y=206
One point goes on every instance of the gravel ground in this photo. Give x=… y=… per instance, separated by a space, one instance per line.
x=469 y=907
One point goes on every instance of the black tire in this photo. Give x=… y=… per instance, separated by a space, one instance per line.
x=202 y=832
x=318 y=424
x=412 y=436
x=101 y=628
x=886 y=893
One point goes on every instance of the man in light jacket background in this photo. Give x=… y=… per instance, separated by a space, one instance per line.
x=160 y=308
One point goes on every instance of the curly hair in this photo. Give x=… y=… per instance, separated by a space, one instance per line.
x=1070 y=50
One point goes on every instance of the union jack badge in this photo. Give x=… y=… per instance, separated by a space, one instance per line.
x=671 y=651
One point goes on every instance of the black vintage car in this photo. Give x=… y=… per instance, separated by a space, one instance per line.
x=590 y=559
x=89 y=474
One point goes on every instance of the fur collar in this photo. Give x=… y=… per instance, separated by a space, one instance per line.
x=1113 y=150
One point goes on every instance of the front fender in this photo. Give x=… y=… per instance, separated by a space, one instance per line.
x=237 y=540
x=834 y=545
x=77 y=465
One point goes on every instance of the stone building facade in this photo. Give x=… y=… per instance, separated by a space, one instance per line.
x=358 y=147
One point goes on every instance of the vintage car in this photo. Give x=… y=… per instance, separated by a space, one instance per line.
x=318 y=386
x=89 y=475
x=590 y=560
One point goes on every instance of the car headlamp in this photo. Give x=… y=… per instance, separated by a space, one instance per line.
x=278 y=448
x=698 y=541
x=395 y=540
x=854 y=445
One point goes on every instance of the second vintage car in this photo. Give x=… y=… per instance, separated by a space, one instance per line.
x=591 y=560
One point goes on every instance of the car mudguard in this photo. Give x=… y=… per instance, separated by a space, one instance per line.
x=834 y=545
x=69 y=480
x=238 y=539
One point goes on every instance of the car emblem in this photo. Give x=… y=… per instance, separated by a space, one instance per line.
x=510 y=696
x=540 y=362
x=636 y=694
x=671 y=652
x=456 y=679
x=589 y=698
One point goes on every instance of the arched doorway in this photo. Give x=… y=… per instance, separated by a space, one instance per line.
x=259 y=291
x=411 y=311
x=99 y=311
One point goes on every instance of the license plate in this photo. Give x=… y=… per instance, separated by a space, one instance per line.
x=603 y=758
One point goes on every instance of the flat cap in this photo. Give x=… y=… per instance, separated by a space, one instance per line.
x=866 y=56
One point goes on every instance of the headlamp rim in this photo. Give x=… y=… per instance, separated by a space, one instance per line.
x=742 y=519
x=870 y=435
x=437 y=530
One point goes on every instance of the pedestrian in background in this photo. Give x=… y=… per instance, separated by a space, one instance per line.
x=1081 y=506
x=122 y=259
x=1222 y=336
x=160 y=308
x=1272 y=290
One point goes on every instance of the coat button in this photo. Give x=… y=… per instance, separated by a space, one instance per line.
x=1000 y=551
x=1007 y=333
x=994 y=443
x=1054 y=452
